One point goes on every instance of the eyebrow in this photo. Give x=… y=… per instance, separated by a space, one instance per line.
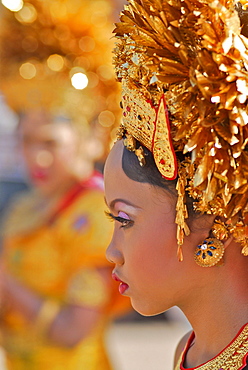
x=114 y=201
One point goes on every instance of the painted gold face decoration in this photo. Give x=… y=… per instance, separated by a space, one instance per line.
x=184 y=71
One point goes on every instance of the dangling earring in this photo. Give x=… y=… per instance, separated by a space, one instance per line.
x=209 y=253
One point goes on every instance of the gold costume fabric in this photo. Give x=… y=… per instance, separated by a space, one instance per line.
x=234 y=356
x=58 y=260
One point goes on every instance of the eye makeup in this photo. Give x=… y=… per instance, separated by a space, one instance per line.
x=122 y=218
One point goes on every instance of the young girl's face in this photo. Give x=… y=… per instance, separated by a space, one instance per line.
x=50 y=151
x=144 y=244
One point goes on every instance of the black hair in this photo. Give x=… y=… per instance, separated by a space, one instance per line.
x=150 y=174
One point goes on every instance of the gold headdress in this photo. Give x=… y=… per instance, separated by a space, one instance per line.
x=47 y=45
x=184 y=71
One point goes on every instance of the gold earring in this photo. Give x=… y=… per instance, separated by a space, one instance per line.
x=209 y=253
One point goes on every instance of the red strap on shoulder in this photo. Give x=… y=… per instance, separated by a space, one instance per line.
x=94 y=182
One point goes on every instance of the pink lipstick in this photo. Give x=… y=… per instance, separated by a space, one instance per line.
x=38 y=175
x=123 y=286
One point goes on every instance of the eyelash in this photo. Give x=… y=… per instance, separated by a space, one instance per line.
x=125 y=223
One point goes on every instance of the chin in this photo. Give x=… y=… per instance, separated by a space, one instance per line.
x=146 y=309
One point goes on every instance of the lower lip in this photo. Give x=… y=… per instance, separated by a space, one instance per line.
x=38 y=176
x=122 y=288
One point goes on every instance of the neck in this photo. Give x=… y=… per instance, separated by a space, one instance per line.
x=216 y=318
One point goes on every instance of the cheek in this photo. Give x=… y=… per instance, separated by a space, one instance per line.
x=64 y=158
x=151 y=270
x=153 y=249
x=161 y=236
x=28 y=155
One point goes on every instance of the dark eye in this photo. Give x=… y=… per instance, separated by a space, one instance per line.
x=50 y=144
x=125 y=223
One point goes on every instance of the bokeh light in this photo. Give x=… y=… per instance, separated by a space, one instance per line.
x=93 y=79
x=106 y=118
x=55 y=62
x=27 y=71
x=27 y=14
x=13 y=5
x=63 y=50
x=79 y=80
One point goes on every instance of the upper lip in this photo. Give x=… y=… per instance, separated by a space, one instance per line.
x=116 y=277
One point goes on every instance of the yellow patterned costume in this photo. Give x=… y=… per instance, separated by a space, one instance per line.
x=56 y=255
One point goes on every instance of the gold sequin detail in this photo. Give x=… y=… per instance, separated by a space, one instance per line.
x=231 y=358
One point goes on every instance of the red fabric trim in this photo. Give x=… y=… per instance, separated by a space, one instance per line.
x=72 y=194
x=189 y=342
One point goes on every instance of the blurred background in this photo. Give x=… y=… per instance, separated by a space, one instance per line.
x=65 y=47
x=57 y=54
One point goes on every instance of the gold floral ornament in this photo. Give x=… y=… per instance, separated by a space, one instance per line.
x=152 y=122
x=193 y=56
x=58 y=53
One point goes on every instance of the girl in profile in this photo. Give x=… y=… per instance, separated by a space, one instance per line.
x=176 y=181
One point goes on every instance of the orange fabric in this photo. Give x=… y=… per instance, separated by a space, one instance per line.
x=60 y=262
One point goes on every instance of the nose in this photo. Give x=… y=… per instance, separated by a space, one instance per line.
x=113 y=254
x=38 y=156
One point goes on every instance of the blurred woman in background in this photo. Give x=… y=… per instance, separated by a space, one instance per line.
x=56 y=288
x=56 y=74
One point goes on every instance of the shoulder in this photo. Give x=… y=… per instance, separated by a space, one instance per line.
x=20 y=216
x=180 y=347
x=19 y=205
x=90 y=191
x=90 y=200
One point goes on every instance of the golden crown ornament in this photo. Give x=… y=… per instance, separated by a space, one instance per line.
x=184 y=72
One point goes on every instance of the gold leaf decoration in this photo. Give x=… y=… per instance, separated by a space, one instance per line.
x=195 y=55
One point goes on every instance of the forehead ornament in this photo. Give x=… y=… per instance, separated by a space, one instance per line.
x=150 y=125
